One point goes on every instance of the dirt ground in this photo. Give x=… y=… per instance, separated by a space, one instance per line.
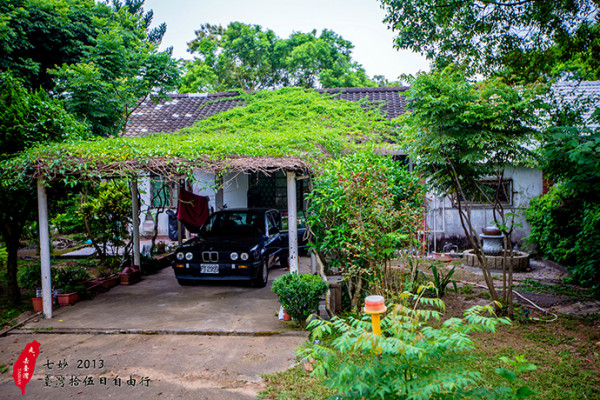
x=544 y=272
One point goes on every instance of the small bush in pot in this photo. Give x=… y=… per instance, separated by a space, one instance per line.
x=299 y=294
x=69 y=277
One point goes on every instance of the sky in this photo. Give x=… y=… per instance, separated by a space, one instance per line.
x=359 y=21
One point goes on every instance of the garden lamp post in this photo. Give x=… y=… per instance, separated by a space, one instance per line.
x=375 y=305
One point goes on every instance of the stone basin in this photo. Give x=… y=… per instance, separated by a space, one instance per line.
x=520 y=260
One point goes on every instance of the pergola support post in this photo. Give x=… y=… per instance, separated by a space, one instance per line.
x=44 y=248
x=179 y=224
x=292 y=221
x=135 y=210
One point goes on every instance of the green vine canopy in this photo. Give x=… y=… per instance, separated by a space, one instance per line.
x=290 y=128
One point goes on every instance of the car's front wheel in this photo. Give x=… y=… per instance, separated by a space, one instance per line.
x=263 y=275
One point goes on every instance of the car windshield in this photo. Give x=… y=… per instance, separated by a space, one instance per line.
x=242 y=223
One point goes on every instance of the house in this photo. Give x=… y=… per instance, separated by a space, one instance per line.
x=254 y=189
x=239 y=190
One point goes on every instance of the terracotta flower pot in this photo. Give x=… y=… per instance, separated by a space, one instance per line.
x=286 y=317
x=66 y=299
x=129 y=276
x=38 y=304
x=111 y=281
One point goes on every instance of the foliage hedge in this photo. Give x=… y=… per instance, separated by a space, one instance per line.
x=567 y=230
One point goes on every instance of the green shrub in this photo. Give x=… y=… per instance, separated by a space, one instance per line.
x=554 y=225
x=299 y=294
x=364 y=209
x=67 y=278
x=67 y=218
x=107 y=212
x=441 y=280
x=3 y=256
x=30 y=276
x=411 y=359
x=567 y=230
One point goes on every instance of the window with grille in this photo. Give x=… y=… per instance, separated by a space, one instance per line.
x=164 y=193
x=488 y=188
x=270 y=191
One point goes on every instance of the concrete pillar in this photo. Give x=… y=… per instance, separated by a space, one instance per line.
x=44 y=248
x=179 y=224
x=136 y=222
x=292 y=221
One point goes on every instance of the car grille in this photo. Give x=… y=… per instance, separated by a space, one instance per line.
x=210 y=256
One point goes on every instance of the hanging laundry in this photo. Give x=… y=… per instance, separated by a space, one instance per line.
x=192 y=210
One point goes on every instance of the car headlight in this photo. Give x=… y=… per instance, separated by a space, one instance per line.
x=189 y=256
x=244 y=256
x=234 y=256
x=180 y=256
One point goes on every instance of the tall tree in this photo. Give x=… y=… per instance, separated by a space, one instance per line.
x=38 y=35
x=118 y=69
x=460 y=133
x=26 y=118
x=105 y=59
x=247 y=57
x=524 y=39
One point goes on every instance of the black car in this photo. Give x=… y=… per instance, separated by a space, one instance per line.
x=235 y=244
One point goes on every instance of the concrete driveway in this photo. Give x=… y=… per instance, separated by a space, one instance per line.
x=157 y=340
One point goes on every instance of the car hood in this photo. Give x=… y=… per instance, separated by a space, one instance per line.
x=223 y=243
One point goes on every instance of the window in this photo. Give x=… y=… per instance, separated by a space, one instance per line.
x=164 y=193
x=489 y=188
x=270 y=191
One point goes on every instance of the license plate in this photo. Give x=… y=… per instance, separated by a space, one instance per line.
x=209 y=268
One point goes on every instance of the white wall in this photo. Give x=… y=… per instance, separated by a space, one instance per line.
x=235 y=190
x=203 y=186
x=443 y=219
x=145 y=197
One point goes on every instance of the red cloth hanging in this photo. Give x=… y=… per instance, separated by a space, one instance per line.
x=192 y=210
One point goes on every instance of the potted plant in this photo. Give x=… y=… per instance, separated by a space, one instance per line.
x=300 y=294
x=130 y=275
x=68 y=280
x=69 y=297
x=30 y=278
x=107 y=275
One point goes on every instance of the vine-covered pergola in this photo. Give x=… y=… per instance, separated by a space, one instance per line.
x=292 y=130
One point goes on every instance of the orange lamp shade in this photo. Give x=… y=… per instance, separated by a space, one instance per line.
x=375 y=305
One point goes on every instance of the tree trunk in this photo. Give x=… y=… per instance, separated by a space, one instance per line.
x=321 y=271
x=12 y=235
x=356 y=294
x=88 y=230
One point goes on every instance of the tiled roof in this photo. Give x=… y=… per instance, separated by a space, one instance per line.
x=584 y=93
x=185 y=109
x=180 y=112
x=392 y=97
